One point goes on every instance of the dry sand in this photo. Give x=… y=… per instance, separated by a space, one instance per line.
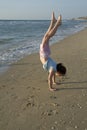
x=26 y=102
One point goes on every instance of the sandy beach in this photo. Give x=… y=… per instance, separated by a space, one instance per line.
x=26 y=103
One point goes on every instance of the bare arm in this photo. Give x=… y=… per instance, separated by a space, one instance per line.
x=53 y=78
x=50 y=80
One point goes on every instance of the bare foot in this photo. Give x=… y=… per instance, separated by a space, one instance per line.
x=59 y=19
x=53 y=18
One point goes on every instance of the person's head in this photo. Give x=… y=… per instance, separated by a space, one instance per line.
x=61 y=69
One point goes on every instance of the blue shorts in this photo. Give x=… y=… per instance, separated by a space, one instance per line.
x=50 y=64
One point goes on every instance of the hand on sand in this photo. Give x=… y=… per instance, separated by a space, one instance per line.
x=53 y=89
x=55 y=83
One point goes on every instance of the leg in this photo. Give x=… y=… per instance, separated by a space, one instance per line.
x=51 y=30
x=52 y=23
x=54 y=29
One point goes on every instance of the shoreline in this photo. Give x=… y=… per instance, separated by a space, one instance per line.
x=26 y=101
x=15 y=46
x=4 y=68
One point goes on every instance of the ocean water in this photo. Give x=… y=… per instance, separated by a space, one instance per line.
x=19 y=38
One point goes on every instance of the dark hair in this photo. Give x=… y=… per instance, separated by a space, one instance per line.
x=61 y=69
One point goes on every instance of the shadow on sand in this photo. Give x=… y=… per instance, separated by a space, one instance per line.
x=74 y=83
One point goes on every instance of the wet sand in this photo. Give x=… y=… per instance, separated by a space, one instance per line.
x=26 y=103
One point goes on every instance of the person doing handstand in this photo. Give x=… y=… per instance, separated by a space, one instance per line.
x=48 y=63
